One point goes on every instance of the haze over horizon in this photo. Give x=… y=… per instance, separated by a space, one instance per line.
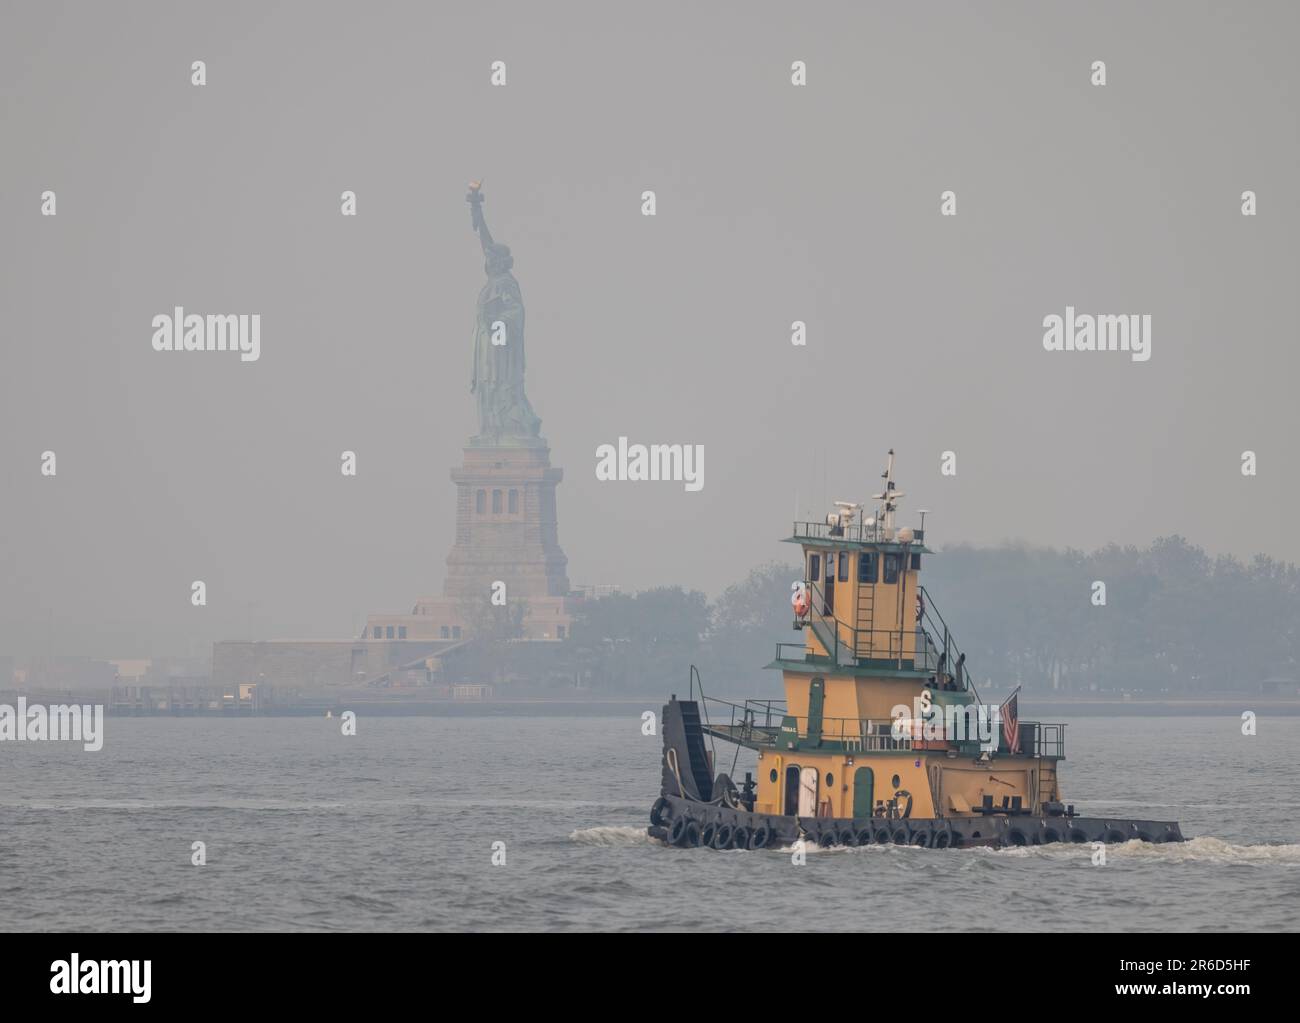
x=775 y=204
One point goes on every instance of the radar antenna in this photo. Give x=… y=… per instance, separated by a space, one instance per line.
x=842 y=516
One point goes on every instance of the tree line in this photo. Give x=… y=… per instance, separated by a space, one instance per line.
x=1175 y=621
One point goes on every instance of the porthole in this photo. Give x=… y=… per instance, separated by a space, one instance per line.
x=894 y=781
x=772 y=775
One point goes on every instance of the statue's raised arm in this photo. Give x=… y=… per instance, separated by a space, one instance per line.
x=475 y=200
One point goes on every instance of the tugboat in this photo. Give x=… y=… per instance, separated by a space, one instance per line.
x=882 y=737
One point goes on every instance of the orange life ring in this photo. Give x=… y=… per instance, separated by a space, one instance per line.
x=800 y=601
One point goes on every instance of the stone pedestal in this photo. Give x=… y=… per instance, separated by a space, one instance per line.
x=506 y=524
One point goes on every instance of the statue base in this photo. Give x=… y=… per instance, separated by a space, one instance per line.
x=506 y=525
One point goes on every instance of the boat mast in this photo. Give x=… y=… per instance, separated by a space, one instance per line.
x=890 y=497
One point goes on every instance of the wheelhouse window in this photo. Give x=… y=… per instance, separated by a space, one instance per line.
x=844 y=566
x=814 y=567
x=916 y=562
x=891 y=569
x=867 y=567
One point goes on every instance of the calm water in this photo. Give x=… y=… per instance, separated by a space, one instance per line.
x=393 y=829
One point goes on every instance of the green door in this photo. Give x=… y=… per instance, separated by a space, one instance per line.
x=816 y=697
x=864 y=783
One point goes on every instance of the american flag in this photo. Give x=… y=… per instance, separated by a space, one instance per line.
x=1009 y=713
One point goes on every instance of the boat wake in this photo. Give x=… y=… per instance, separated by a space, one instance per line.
x=1213 y=851
x=1204 y=849
x=612 y=837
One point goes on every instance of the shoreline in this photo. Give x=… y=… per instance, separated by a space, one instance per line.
x=1032 y=707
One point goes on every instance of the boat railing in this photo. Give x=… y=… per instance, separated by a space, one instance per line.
x=852 y=533
x=704 y=710
x=791 y=651
x=753 y=720
x=924 y=644
x=765 y=723
x=934 y=627
x=1040 y=739
x=882 y=645
x=761 y=722
x=864 y=735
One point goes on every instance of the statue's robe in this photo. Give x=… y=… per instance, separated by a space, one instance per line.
x=498 y=382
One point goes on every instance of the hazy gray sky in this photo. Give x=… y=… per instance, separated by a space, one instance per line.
x=775 y=204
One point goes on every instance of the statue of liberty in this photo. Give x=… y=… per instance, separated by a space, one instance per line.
x=498 y=381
